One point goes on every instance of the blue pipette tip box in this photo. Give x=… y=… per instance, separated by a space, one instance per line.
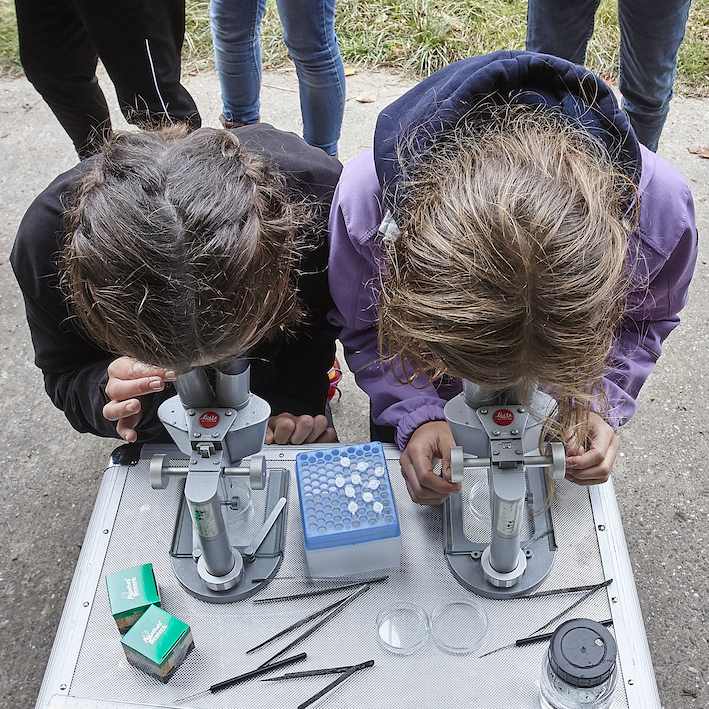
x=348 y=511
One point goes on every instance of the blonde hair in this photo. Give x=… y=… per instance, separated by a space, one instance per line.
x=511 y=266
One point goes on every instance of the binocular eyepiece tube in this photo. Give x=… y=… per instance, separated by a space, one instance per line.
x=230 y=389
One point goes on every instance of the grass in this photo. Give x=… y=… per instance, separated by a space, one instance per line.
x=420 y=36
x=9 y=51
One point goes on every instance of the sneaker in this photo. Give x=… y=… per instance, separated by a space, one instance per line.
x=335 y=376
x=228 y=125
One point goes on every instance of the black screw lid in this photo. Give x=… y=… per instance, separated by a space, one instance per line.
x=582 y=652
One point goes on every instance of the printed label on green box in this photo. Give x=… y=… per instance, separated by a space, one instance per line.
x=130 y=593
x=158 y=643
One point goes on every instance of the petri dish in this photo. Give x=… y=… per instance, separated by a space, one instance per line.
x=459 y=625
x=479 y=501
x=403 y=628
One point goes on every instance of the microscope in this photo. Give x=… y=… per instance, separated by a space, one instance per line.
x=495 y=432
x=216 y=422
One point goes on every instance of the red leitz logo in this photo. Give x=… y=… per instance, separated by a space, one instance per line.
x=210 y=419
x=503 y=417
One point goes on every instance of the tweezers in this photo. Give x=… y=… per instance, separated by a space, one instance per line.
x=311 y=673
x=578 y=602
x=345 y=675
x=319 y=592
x=330 y=612
x=296 y=625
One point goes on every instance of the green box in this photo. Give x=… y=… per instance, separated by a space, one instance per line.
x=158 y=643
x=130 y=593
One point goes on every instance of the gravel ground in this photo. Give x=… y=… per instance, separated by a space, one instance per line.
x=50 y=474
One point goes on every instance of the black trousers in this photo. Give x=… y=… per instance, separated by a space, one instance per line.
x=139 y=43
x=384 y=434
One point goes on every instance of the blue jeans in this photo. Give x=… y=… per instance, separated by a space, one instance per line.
x=651 y=32
x=309 y=34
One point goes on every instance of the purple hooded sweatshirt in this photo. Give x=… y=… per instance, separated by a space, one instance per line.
x=366 y=203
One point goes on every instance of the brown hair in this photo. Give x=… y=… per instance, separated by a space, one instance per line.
x=510 y=268
x=181 y=249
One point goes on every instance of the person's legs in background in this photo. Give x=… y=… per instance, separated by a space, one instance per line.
x=561 y=28
x=60 y=61
x=236 y=28
x=651 y=33
x=309 y=34
x=140 y=43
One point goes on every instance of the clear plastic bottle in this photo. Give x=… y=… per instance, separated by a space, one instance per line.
x=579 y=671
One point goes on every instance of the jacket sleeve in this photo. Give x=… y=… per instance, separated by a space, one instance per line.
x=74 y=369
x=664 y=262
x=357 y=262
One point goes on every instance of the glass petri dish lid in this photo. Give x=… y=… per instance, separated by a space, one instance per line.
x=479 y=501
x=459 y=625
x=403 y=628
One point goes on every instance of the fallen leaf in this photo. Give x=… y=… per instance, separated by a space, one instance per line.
x=368 y=97
x=451 y=22
x=350 y=71
x=701 y=150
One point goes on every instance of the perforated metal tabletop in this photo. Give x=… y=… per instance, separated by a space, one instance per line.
x=133 y=524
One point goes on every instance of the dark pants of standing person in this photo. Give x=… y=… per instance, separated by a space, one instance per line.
x=139 y=43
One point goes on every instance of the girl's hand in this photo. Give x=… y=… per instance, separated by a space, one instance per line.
x=286 y=428
x=592 y=466
x=128 y=380
x=429 y=443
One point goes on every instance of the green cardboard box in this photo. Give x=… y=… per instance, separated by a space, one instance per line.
x=158 y=643
x=130 y=593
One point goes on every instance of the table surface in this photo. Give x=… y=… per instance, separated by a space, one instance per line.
x=133 y=524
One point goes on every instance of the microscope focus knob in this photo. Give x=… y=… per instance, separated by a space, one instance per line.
x=158 y=481
x=257 y=472
x=557 y=468
x=457 y=464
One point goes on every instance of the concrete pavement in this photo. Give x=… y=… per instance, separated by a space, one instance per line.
x=50 y=474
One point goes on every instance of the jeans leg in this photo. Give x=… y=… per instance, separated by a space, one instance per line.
x=651 y=33
x=561 y=28
x=236 y=30
x=59 y=60
x=309 y=34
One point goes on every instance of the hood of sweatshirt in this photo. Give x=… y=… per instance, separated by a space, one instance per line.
x=406 y=129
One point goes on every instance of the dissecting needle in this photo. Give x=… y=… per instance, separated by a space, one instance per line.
x=309 y=673
x=590 y=590
x=523 y=641
x=244 y=677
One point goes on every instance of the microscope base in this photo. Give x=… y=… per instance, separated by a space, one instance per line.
x=265 y=565
x=464 y=556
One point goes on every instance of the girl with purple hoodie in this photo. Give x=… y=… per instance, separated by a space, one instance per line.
x=508 y=229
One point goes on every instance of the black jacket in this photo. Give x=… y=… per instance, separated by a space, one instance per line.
x=290 y=372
